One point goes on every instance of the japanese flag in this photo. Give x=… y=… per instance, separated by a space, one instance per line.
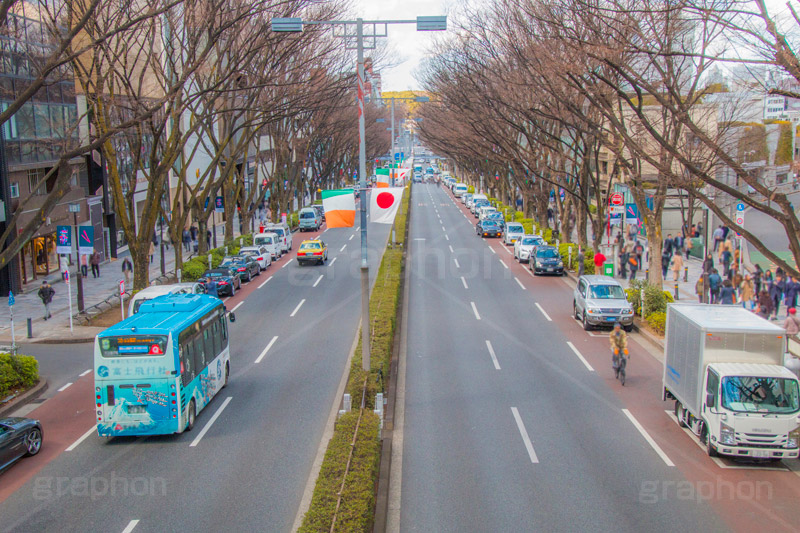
x=383 y=204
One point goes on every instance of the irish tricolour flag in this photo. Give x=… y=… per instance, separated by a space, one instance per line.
x=340 y=208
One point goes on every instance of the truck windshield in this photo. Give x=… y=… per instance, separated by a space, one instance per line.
x=747 y=394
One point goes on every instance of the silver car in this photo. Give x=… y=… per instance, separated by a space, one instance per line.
x=261 y=254
x=524 y=246
x=601 y=301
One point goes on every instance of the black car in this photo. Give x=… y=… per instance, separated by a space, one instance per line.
x=245 y=266
x=546 y=260
x=226 y=279
x=19 y=437
x=489 y=228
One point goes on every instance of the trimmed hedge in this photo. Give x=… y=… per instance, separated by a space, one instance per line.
x=17 y=372
x=657 y=321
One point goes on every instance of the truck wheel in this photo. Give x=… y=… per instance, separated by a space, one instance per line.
x=712 y=452
x=679 y=414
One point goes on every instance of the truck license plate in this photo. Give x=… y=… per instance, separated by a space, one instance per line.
x=762 y=453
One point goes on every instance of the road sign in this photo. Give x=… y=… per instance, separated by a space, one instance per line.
x=740 y=206
x=63 y=240
x=74 y=208
x=219 y=204
x=617 y=199
x=86 y=240
x=122 y=287
x=740 y=219
x=616 y=209
x=10 y=298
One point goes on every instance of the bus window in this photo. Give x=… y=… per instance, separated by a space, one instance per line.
x=198 y=353
x=224 y=325
x=217 y=337
x=187 y=363
x=208 y=338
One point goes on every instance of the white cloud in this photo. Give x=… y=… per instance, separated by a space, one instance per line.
x=409 y=45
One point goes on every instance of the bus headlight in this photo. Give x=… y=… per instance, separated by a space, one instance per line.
x=726 y=434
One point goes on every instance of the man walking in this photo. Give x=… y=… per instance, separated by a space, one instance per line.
x=46 y=293
x=127 y=269
x=719 y=236
x=94 y=260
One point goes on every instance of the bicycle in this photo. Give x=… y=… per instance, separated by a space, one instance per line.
x=619 y=363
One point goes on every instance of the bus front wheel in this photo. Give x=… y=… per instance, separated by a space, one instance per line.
x=191 y=416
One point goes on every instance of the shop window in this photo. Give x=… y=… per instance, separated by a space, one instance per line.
x=14 y=190
x=35 y=176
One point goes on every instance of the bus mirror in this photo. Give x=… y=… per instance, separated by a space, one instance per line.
x=232 y=317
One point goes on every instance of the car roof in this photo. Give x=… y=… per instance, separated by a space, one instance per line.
x=596 y=279
x=156 y=290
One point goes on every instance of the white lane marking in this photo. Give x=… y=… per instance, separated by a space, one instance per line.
x=521 y=286
x=475 y=310
x=528 y=270
x=226 y=299
x=583 y=360
x=265 y=282
x=213 y=419
x=82 y=438
x=456 y=262
x=418 y=239
x=464 y=282
x=450 y=246
x=543 y=312
x=503 y=263
x=351 y=237
x=260 y=357
x=84 y=373
x=492 y=355
x=237 y=306
x=525 y=438
x=507 y=249
x=342 y=248
x=326 y=229
x=492 y=250
x=332 y=262
x=648 y=438
x=318 y=280
x=443 y=228
x=296 y=309
x=446 y=237
x=65 y=387
x=131 y=525
x=287 y=263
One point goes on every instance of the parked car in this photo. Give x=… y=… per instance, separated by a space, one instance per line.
x=312 y=251
x=485 y=210
x=601 y=301
x=308 y=219
x=525 y=245
x=19 y=437
x=227 y=280
x=514 y=231
x=284 y=235
x=546 y=260
x=271 y=242
x=489 y=228
x=496 y=216
x=466 y=197
x=261 y=254
x=149 y=293
x=245 y=266
x=477 y=203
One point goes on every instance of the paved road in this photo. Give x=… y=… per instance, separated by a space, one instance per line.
x=249 y=470
x=506 y=428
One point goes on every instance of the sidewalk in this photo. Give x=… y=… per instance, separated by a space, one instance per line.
x=95 y=291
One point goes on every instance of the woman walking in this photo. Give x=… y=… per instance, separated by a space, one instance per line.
x=747 y=292
x=677 y=265
x=727 y=295
x=764 y=307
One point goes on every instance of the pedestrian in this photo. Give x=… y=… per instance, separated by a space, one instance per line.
x=193 y=232
x=714 y=285
x=735 y=278
x=211 y=287
x=633 y=265
x=764 y=306
x=718 y=237
x=727 y=295
x=127 y=269
x=776 y=289
x=46 y=293
x=698 y=289
x=84 y=265
x=699 y=231
x=186 y=239
x=725 y=259
x=94 y=260
x=747 y=292
x=792 y=323
x=624 y=254
x=757 y=275
x=708 y=264
x=152 y=251
x=725 y=231
x=665 y=259
x=677 y=265
x=208 y=239
x=599 y=260
x=63 y=264
x=791 y=289
x=669 y=243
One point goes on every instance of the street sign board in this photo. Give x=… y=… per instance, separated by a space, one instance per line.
x=86 y=240
x=219 y=204
x=617 y=199
x=74 y=208
x=10 y=298
x=740 y=206
x=122 y=287
x=740 y=219
x=616 y=209
x=63 y=240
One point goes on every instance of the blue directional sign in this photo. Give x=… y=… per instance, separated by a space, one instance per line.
x=10 y=298
x=740 y=206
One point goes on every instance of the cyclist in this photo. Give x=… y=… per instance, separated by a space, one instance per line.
x=619 y=343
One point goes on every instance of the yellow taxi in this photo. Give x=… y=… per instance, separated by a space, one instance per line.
x=313 y=251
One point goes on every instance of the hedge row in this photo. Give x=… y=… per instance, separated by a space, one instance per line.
x=17 y=372
x=655 y=303
x=194 y=268
x=356 y=512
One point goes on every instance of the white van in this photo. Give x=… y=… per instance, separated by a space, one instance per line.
x=159 y=290
x=459 y=189
x=475 y=198
x=284 y=235
x=270 y=241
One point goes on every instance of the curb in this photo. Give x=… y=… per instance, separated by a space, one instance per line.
x=24 y=398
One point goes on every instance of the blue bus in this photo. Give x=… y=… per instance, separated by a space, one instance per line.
x=154 y=371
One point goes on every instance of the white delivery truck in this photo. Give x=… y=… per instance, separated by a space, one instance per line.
x=723 y=367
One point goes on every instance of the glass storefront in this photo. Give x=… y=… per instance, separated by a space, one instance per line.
x=39 y=258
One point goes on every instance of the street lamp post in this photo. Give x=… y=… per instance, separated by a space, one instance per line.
x=436 y=23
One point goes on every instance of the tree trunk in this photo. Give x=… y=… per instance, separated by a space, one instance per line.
x=141 y=266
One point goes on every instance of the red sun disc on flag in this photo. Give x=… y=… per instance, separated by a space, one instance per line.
x=385 y=200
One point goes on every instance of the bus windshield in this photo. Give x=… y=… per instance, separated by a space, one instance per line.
x=133 y=345
x=748 y=394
